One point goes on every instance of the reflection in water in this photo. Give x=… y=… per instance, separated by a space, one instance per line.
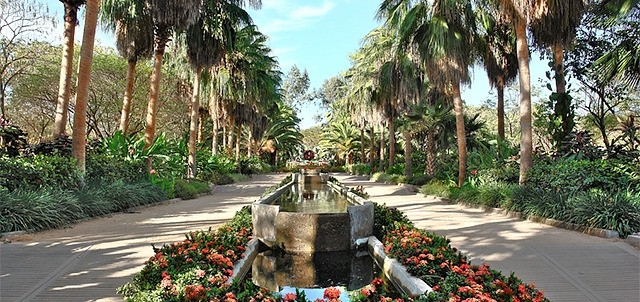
x=312 y=196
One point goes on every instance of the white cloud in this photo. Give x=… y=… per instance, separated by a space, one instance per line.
x=290 y=16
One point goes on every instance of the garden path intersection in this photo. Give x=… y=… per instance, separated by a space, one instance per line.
x=88 y=261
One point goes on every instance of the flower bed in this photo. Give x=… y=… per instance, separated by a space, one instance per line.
x=198 y=268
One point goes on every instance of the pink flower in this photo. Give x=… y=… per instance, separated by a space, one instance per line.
x=331 y=293
x=289 y=297
x=200 y=273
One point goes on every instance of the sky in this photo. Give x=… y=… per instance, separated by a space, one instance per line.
x=316 y=35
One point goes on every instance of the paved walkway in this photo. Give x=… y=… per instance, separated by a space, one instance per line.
x=565 y=265
x=90 y=260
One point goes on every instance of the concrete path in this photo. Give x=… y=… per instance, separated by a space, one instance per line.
x=88 y=261
x=565 y=265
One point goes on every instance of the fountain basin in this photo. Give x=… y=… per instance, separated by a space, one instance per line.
x=315 y=230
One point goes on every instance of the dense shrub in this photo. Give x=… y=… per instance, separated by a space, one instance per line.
x=32 y=173
x=237 y=177
x=190 y=188
x=419 y=180
x=396 y=169
x=389 y=178
x=333 y=169
x=564 y=175
x=253 y=165
x=384 y=218
x=219 y=163
x=106 y=169
x=218 y=178
x=359 y=169
x=435 y=187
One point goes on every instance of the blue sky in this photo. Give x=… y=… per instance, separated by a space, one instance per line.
x=318 y=35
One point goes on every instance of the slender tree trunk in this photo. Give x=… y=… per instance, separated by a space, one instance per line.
x=392 y=142
x=238 y=138
x=66 y=70
x=460 y=133
x=431 y=153
x=500 y=88
x=558 y=67
x=362 y=155
x=250 y=142
x=372 y=138
x=152 y=106
x=128 y=95
x=224 y=136
x=526 y=145
x=193 y=124
x=2 y=106
x=381 y=164
x=84 y=78
x=407 y=153
x=232 y=127
x=213 y=111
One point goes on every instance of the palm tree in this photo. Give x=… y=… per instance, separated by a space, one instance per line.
x=431 y=117
x=442 y=32
x=282 y=138
x=84 y=77
x=497 y=47
x=168 y=15
x=66 y=66
x=342 y=139
x=131 y=20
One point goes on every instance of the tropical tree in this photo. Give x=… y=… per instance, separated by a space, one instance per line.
x=342 y=140
x=282 y=138
x=442 y=33
x=431 y=118
x=497 y=47
x=131 y=20
x=84 y=77
x=168 y=16
x=66 y=66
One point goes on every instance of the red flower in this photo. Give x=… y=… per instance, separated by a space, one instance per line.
x=289 y=297
x=331 y=293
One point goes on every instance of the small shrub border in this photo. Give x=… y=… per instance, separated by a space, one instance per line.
x=190 y=188
x=198 y=268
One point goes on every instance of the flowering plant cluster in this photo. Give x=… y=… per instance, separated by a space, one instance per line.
x=431 y=258
x=308 y=155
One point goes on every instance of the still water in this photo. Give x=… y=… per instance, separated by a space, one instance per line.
x=312 y=196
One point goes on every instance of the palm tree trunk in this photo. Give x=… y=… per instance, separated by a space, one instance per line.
x=250 y=141
x=381 y=164
x=2 y=108
x=126 y=102
x=152 y=106
x=362 y=156
x=460 y=133
x=213 y=106
x=224 y=136
x=84 y=77
x=230 y=133
x=526 y=145
x=372 y=147
x=431 y=153
x=66 y=70
x=392 y=142
x=193 y=124
x=238 y=138
x=407 y=153
x=200 y=126
x=558 y=67
x=500 y=88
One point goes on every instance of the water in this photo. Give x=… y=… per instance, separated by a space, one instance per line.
x=311 y=195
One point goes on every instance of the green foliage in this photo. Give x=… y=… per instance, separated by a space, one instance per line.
x=419 y=180
x=564 y=175
x=107 y=169
x=218 y=178
x=396 y=169
x=237 y=177
x=32 y=173
x=359 y=169
x=49 y=208
x=219 y=163
x=190 y=188
x=253 y=165
x=333 y=169
x=389 y=178
x=435 y=187
x=384 y=219
x=60 y=146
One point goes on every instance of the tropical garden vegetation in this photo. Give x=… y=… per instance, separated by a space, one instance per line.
x=192 y=95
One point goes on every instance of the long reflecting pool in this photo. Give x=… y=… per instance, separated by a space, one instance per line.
x=311 y=195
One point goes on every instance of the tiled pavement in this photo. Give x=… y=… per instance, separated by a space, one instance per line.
x=90 y=260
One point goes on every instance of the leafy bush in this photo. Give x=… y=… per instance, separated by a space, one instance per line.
x=218 y=178
x=107 y=169
x=32 y=173
x=435 y=187
x=419 y=180
x=581 y=175
x=396 y=169
x=388 y=178
x=190 y=188
x=218 y=163
x=253 y=165
x=359 y=169
x=333 y=169
x=237 y=177
x=384 y=218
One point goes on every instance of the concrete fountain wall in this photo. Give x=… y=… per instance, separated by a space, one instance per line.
x=311 y=232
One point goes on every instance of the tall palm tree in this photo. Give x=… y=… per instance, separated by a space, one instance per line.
x=168 y=15
x=442 y=32
x=431 y=117
x=497 y=47
x=131 y=20
x=66 y=66
x=342 y=140
x=84 y=77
